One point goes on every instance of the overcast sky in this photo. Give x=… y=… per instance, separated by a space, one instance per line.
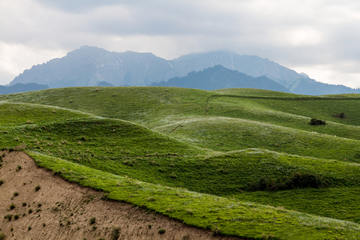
x=320 y=38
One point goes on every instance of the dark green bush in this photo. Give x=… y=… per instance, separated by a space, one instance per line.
x=161 y=231
x=1 y=182
x=296 y=180
x=8 y=217
x=115 y=234
x=315 y=121
x=37 y=188
x=92 y=220
x=12 y=206
x=2 y=236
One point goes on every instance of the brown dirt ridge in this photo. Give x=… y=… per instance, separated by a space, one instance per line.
x=36 y=204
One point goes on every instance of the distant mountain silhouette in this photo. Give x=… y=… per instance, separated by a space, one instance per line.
x=88 y=66
x=20 y=87
x=91 y=66
x=218 y=77
x=311 y=87
x=105 y=84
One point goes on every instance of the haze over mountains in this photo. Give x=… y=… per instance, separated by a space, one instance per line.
x=92 y=66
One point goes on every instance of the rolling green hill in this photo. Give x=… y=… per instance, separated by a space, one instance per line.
x=241 y=162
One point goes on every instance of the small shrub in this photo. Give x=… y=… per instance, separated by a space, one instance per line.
x=30 y=211
x=16 y=217
x=94 y=228
x=39 y=205
x=115 y=234
x=92 y=220
x=24 y=204
x=1 y=182
x=2 y=236
x=12 y=206
x=18 y=168
x=16 y=194
x=296 y=180
x=161 y=231
x=44 y=224
x=8 y=217
x=37 y=188
x=29 y=228
x=315 y=121
x=342 y=115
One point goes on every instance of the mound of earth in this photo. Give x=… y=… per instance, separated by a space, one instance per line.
x=36 y=204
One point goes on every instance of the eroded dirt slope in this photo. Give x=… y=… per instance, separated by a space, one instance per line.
x=35 y=204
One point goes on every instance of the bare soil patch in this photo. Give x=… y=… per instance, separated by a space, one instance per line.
x=36 y=204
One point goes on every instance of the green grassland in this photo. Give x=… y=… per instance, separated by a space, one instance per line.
x=231 y=160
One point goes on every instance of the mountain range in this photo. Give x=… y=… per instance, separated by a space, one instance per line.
x=20 y=87
x=219 y=77
x=92 y=66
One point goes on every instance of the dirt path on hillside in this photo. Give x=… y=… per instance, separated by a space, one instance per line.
x=63 y=210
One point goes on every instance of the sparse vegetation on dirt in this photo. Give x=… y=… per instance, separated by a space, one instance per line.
x=115 y=234
x=92 y=220
x=2 y=236
x=37 y=188
x=12 y=206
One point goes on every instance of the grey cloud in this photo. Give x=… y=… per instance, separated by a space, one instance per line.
x=247 y=27
x=77 y=6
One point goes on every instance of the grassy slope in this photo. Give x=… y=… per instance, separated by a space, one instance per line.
x=229 y=134
x=175 y=164
x=157 y=106
x=144 y=105
x=220 y=214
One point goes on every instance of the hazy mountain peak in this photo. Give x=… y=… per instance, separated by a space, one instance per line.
x=87 y=66
x=304 y=75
